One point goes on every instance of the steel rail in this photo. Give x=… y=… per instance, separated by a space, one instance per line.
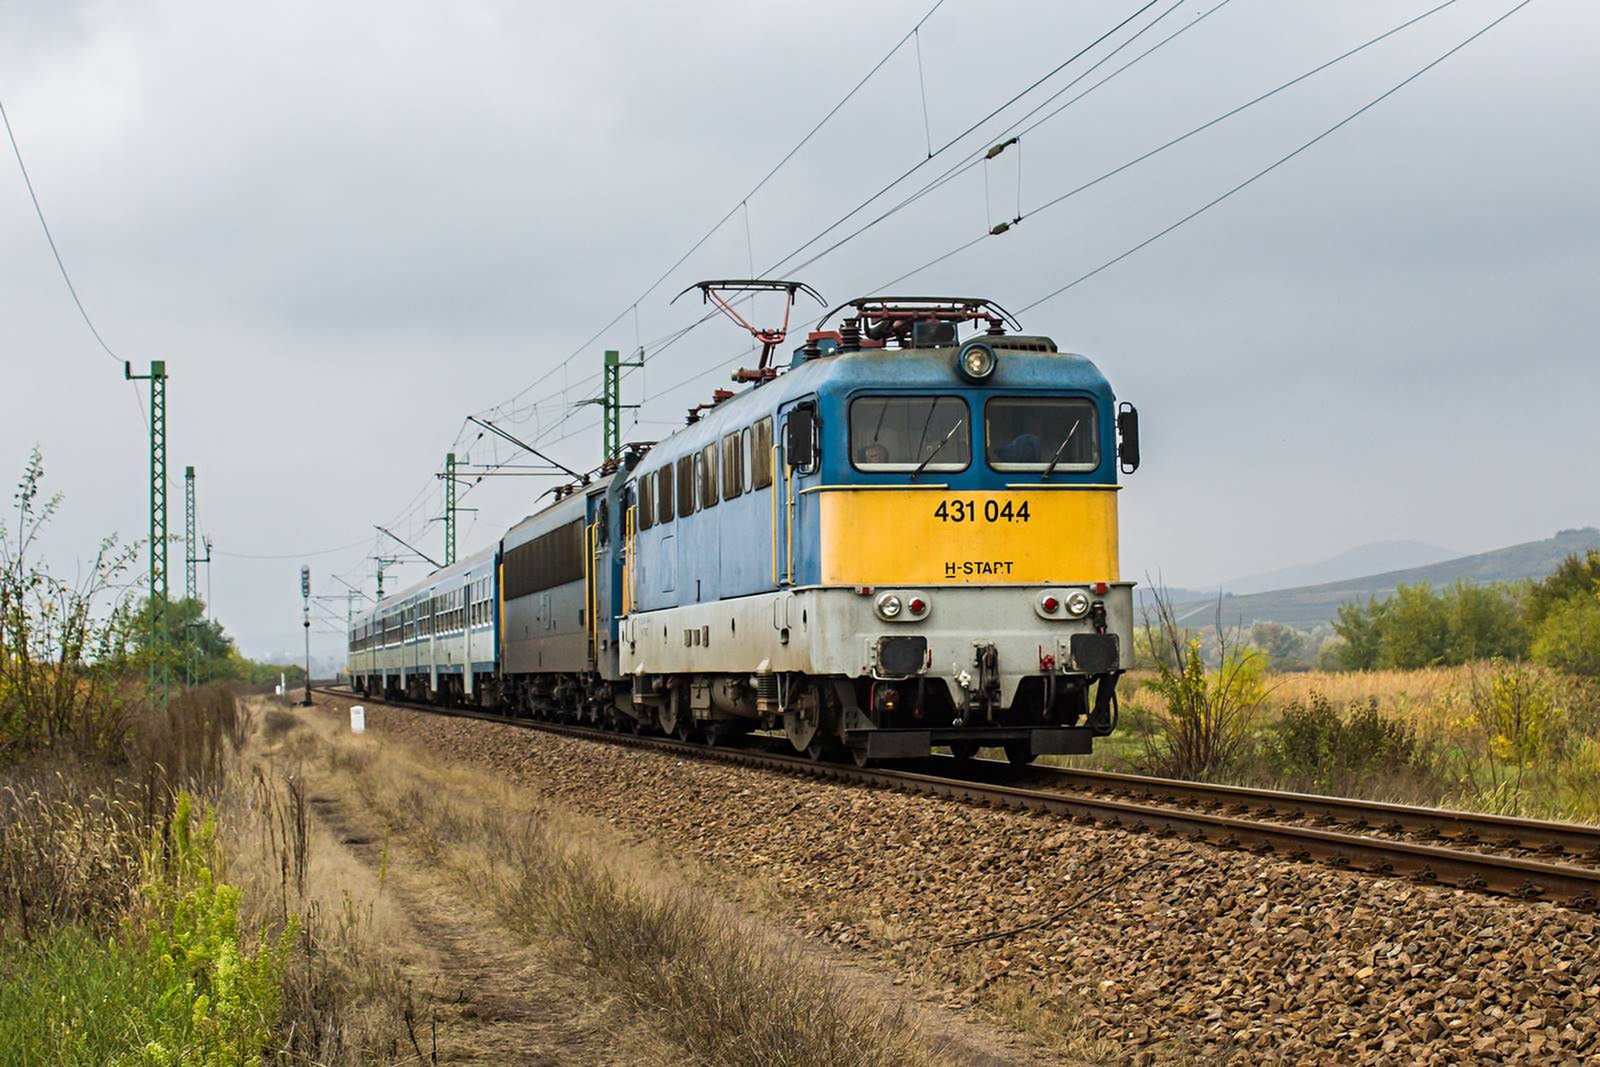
x=1564 y=884
x=1458 y=827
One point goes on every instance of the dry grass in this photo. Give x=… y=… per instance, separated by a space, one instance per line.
x=70 y=851
x=73 y=851
x=1414 y=695
x=347 y=1000
x=1513 y=738
x=73 y=834
x=681 y=975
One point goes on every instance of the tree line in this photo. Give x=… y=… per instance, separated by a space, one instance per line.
x=1555 y=622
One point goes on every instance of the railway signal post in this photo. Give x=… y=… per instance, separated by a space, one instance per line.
x=305 y=596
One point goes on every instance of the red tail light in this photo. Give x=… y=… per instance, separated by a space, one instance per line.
x=1050 y=604
x=1102 y=588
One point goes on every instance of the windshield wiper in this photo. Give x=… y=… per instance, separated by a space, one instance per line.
x=1048 y=471
x=938 y=448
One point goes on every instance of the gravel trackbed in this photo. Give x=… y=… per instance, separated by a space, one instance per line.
x=1170 y=952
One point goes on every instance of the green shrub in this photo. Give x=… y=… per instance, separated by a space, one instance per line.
x=232 y=996
x=1316 y=746
x=177 y=985
x=1518 y=709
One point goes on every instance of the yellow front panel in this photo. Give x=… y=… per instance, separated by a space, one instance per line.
x=943 y=537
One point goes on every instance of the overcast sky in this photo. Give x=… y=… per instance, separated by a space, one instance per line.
x=347 y=226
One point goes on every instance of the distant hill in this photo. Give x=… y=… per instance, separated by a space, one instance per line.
x=1380 y=557
x=1307 y=605
x=1144 y=594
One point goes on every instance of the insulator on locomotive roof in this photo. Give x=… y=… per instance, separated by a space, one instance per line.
x=850 y=335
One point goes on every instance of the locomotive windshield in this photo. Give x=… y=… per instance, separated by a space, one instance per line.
x=903 y=433
x=1041 y=434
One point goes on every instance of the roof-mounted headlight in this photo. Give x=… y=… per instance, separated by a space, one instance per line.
x=976 y=361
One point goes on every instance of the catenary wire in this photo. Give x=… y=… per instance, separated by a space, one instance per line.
x=1281 y=160
x=966 y=132
x=953 y=141
x=50 y=238
x=1231 y=113
x=731 y=211
x=946 y=146
x=979 y=154
x=1388 y=33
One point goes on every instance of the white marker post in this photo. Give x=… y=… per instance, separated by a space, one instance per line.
x=358 y=719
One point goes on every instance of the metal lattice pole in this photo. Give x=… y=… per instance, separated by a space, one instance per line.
x=191 y=572
x=158 y=636
x=191 y=584
x=611 y=401
x=449 y=508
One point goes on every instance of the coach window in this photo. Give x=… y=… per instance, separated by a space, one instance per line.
x=686 y=486
x=664 y=494
x=708 y=475
x=761 y=454
x=646 y=505
x=1041 y=434
x=907 y=433
x=732 y=469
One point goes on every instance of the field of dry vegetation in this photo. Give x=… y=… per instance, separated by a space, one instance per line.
x=1513 y=738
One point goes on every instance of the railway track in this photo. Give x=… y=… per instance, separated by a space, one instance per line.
x=1459 y=829
x=1227 y=817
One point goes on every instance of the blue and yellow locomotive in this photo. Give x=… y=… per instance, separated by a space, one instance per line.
x=904 y=541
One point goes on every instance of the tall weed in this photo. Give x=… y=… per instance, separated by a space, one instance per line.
x=1205 y=726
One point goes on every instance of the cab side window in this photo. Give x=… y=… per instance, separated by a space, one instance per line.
x=761 y=454
x=647 y=501
x=664 y=496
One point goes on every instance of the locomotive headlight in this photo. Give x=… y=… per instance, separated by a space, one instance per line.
x=889 y=606
x=976 y=361
x=1077 y=604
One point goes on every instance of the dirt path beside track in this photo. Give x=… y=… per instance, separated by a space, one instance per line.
x=489 y=991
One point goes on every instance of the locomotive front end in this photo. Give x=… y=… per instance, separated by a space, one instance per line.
x=966 y=548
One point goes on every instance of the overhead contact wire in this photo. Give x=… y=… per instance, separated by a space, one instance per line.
x=1231 y=113
x=1147 y=242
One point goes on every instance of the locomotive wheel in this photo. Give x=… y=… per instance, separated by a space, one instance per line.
x=1019 y=753
x=964 y=750
x=858 y=754
x=820 y=749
